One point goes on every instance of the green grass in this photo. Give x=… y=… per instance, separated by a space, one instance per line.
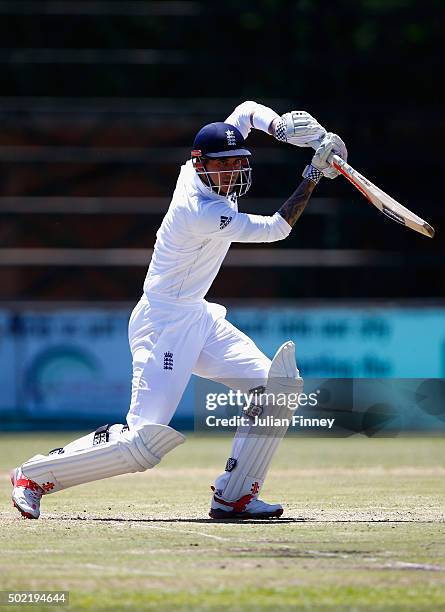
x=363 y=529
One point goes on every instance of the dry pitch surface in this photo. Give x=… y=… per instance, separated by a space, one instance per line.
x=363 y=529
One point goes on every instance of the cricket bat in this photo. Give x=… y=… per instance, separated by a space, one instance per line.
x=381 y=200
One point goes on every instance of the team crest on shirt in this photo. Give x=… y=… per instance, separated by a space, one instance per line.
x=224 y=222
x=168 y=361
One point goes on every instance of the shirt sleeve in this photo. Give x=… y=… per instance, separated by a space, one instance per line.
x=217 y=220
x=250 y=115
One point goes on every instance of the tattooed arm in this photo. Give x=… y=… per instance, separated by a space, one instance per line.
x=293 y=208
x=319 y=167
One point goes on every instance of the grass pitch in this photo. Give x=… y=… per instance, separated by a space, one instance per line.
x=363 y=529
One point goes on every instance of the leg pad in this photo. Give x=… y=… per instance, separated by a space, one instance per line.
x=135 y=450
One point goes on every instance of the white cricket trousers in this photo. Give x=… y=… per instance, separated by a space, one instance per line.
x=170 y=341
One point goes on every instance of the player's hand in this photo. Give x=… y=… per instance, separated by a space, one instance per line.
x=298 y=128
x=331 y=144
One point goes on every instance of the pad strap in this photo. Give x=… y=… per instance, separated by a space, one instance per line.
x=101 y=435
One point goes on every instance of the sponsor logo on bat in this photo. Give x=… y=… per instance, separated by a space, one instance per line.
x=393 y=215
x=364 y=180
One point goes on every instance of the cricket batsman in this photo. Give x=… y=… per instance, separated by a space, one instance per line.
x=174 y=331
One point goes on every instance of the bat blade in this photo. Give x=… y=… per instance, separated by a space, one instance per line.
x=381 y=200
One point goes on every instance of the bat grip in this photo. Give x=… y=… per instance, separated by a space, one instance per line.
x=332 y=157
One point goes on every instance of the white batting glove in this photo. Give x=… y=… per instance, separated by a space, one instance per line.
x=298 y=128
x=331 y=144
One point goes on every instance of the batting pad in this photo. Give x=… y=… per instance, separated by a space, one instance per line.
x=132 y=451
x=254 y=447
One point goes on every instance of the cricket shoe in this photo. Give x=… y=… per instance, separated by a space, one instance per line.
x=248 y=507
x=26 y=495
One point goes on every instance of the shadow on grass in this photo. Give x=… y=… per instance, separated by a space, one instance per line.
x=209 y=521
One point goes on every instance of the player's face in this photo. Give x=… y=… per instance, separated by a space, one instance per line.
x=224 y=171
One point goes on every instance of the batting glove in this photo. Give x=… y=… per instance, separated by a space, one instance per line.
x=298 y=128
x=330 y=145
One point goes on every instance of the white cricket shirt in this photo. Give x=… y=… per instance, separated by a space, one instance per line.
x=198 y=229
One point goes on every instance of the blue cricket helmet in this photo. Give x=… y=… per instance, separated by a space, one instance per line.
x=219 y=140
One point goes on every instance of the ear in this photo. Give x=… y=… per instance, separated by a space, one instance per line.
x=198 y=165
x=197 y=160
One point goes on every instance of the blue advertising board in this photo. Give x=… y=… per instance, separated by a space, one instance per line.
x=74 y=365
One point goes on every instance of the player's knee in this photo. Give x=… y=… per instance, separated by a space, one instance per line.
x=146 y=446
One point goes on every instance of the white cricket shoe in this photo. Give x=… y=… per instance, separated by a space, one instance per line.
x=26 y=495
x=247 y=507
